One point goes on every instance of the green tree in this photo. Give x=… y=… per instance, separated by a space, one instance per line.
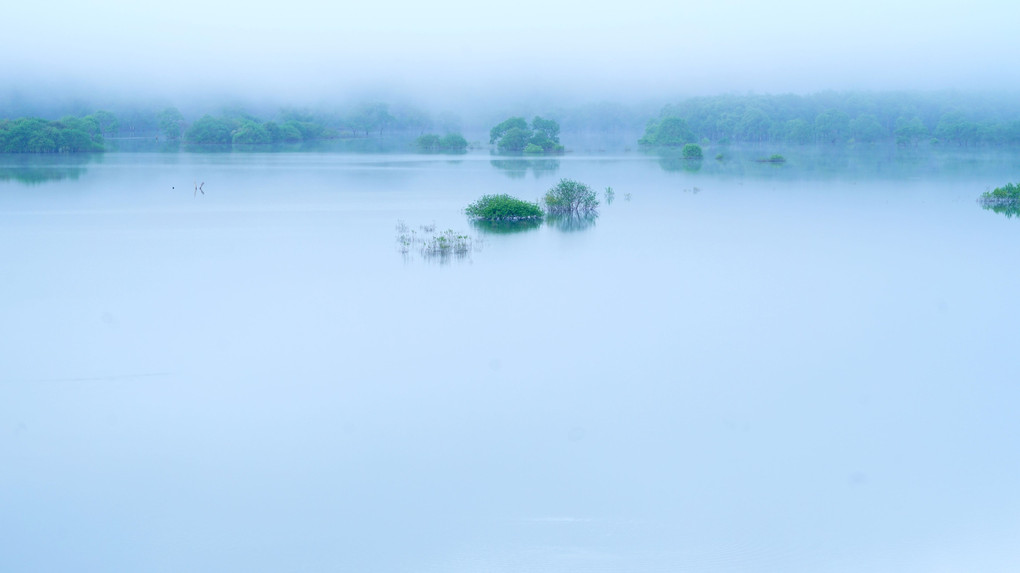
x=953 y=127
x=250 y=133
x=667 y=132
x=799 y=131
x=910 y=131
x=514 y=139
x=754 y=125
x=370 y=117
x=453 y=142
x=866 y=129
x=171 y=123
x=106 y=121
x=571 y=197
x=497 y=132
x=549 y=129
x=209 y=129
x=832 y=125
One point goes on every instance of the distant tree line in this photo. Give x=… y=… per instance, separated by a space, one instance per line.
x=291 y=125
x=827 y=118
x=837 y=118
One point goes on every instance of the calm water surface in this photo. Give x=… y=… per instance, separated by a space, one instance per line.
x=740 y=367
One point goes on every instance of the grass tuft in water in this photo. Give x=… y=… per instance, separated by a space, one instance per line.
x=431 y=244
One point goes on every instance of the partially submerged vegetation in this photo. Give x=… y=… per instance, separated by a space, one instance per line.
x=692 y=151
x=503 y=208
x=774 y=158
x=1004 y=200
x=430 y=244
x=1007 y=194
x=571 y=197
x=514 y=135
x=449 y=143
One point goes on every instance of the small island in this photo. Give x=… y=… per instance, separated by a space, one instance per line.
x=514 y=135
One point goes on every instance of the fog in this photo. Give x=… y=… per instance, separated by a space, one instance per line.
x=308 y=51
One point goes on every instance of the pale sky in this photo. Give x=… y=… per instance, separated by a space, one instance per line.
x=643 y=48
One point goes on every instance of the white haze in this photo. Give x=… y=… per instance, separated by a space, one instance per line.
x=305 y=50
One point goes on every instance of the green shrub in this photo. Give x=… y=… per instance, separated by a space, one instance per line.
x=503 y=208
x=569 y=196
x=532 y=148
x=692 y=151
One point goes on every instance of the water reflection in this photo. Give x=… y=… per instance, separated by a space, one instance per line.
x=518 y=168
x=36 y=169
x=1010 y=210
x=506 y=227
x=572 y=222
x=675 y=163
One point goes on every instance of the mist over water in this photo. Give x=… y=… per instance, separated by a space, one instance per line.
x=743 y=367
x=218 y=357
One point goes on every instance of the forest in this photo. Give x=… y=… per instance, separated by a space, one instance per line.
x=833 y=118
x=824 y=118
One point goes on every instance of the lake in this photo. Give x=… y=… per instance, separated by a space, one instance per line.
x=735 y=367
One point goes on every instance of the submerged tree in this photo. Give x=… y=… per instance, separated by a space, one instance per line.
x=571 y=197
